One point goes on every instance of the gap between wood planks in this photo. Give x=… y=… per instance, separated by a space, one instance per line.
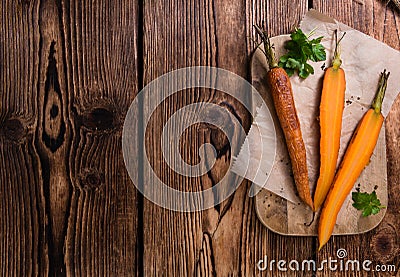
x=140 y=197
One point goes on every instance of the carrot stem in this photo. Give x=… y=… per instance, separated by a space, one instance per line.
x=380 y=94
x=337 y=62
x=268 y=49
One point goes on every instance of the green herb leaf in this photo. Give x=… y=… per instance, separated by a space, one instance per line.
x=309 y=68
x=305 y=70
x=319 y=53
x=375 y=210
x=283 y=59
x=300 y=50
x=307 y=50
x=316 y=40
x=298 y=35
x=290 y=72
x=367 y=211
x=292 y=63
x=368 y=203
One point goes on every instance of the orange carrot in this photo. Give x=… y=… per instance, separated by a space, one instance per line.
x=282 y=94
x=357 y=156
x=330 y=120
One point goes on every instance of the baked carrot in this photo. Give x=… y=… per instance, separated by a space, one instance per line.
x=282 y=94
x=357 y=156
x=330 y=120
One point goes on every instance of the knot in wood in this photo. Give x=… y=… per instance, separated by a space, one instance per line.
x=100 y=119
x=221 y=117
x=384 y=244
x=91 y=179
x=54 y=111
x=13 y=130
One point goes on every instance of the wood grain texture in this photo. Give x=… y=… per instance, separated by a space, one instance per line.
x=68 y=74
x=177 y=35
x=276 y=17
x=381 y=245
x=23 y=229
x=180 y=34
x=101 y=71
x=53 y=132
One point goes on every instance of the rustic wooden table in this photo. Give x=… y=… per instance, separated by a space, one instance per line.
x=68 y=73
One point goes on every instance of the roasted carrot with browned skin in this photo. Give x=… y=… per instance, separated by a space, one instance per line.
x=330 y=120
x=356 y=158
x=282 y=94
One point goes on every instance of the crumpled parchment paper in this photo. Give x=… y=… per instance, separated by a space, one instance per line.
x=363 y=59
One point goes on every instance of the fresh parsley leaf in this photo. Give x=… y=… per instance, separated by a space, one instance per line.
x=305 y=70
x=375 y=210
x=319 y=53
x=367 y=211
x=283 y=58
x=309 y=68
x=292 y=63
x=316 y=40
x=300 y=50
x=368 y=203
x=307 y=50
x=298 y=35
x=290 y=71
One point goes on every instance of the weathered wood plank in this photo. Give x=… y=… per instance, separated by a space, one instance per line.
x=178 y=34
x=277 y=17
x=381 y=245
x=100 y=41
x=23 y=245
x=53 y=132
